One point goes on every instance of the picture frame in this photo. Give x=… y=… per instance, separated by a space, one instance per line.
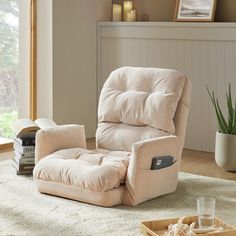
x=195 y=10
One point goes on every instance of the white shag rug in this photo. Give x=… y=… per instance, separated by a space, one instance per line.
x=24 y=211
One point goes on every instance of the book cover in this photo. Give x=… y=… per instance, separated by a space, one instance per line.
x=26 y=172
x=23 y=167
x=25 y=141
x=24 y=155
x=24 y=161
x=23 y=149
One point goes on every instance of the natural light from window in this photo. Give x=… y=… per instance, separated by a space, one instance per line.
x=9 y=49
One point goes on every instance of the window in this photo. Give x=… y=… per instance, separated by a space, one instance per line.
x=9 y=50
x=13 y=103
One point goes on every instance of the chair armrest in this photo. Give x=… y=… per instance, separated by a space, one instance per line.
x=144 y=151
x=142 y=182
x=59 y=137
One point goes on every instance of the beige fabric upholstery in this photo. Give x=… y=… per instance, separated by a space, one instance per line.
x=107 y=199
x=142 y=114
x=118 y=136
x=155 y=182
x=143 y=97
x=84 y=169
x=59 y=137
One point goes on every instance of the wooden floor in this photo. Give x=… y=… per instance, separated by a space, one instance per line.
x=194 y=162
x=203 y=163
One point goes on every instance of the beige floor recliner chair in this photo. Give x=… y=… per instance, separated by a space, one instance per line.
x=142 y=114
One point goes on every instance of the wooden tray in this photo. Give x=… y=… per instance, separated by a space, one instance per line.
x=159 y=227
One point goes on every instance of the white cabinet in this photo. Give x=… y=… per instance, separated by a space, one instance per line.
x=205 y=52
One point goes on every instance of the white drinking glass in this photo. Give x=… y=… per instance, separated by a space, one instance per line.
x=206 y=212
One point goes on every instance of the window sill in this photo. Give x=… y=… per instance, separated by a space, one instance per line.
x=5 y=144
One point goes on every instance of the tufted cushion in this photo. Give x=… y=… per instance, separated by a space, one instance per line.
x=85 y=169
x=141 y=97
x=118 y=136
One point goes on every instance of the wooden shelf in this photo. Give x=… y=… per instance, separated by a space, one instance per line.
x=168 y=24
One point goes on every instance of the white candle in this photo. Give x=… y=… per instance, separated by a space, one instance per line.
x=116 y=12
x=131 y=16
x=128 y=6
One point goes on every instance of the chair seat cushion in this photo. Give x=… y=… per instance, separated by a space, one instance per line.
x=94 y=170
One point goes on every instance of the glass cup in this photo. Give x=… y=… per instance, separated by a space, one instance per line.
x=206 y=212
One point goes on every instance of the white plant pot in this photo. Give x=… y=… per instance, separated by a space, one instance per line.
x=225 y=151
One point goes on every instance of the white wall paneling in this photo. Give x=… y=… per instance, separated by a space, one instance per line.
x=205 y=52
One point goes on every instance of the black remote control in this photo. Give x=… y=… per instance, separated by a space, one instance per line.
x=161 y=162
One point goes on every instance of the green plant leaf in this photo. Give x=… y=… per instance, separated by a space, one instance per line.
x=230 y=109
x=221 y=119
x=221 y=126
x=234 y=120
x=224 y=127
x=210 y=95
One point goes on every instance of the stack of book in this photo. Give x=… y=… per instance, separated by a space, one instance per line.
x=24 y=143
x=23 y=161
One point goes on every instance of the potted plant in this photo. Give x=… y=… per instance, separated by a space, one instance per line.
x=225 y=146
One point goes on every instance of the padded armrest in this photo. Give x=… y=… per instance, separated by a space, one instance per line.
x=59 y=137
x=144 y=151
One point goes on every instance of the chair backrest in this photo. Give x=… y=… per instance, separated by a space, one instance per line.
x=141 y=103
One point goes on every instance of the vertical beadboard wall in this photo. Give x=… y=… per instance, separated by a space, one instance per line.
x=205 y=52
